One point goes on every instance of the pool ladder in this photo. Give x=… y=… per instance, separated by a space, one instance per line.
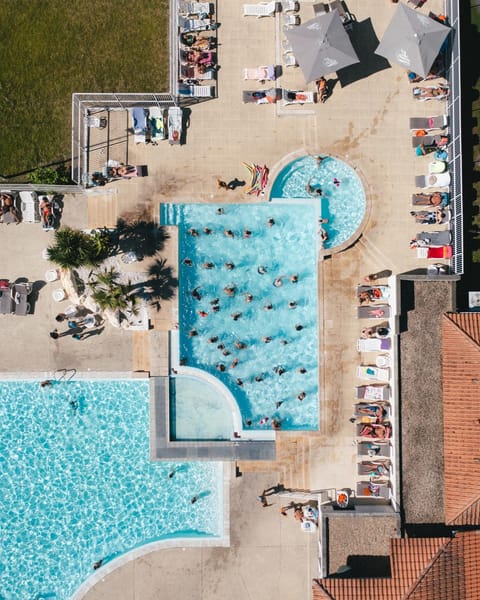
x=65 y=374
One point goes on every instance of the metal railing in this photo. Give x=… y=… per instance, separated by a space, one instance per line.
x=454 y=106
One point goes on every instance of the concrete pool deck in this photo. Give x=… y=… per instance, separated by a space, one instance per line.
x=364 y=123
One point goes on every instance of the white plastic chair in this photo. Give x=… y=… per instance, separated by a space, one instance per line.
x=291 y=20
x=289 y=60
x=290 y=6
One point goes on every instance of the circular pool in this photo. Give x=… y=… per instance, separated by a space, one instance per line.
x=337 y=189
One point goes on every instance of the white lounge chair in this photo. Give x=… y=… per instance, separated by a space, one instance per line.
x=198 y=91
x=428 y=123
x=424 y=93
x=266 y=73
x=373 y=490
x=289 y=60
x=290 y=6
x=158 y=126
x=287 y=46
x=175 y=124
x=291 y=20
x=373 y=344
x=372 y=392
x=195 y=8
x=374 y=449
x=373 y=373
x=438 y=180
x=186 y=24
x=29 y=207
x=265 y=9
x=297 y=97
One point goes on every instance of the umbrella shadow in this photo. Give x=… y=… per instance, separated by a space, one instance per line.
x=365 y=42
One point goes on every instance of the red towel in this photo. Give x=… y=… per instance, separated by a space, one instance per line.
x=440 y=252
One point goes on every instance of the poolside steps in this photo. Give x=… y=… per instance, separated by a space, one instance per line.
x=102 y=210
x=292 y=461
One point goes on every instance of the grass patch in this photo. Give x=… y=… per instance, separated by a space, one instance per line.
x=51 y=49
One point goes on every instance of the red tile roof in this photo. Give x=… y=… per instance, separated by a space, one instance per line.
x=422 y=569
x=461 y=417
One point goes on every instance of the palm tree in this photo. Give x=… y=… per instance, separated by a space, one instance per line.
x=74 y=248
x=109 y=293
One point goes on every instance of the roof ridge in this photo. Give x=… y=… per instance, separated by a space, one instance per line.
x=469 y=506
x=461 y=329
x=440 y=552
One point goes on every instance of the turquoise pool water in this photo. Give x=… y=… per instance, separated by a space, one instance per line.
x=78 y=485
x=267 y=370
x=198 y=411
x=343 y=204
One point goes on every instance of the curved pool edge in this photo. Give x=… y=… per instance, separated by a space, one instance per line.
x=301 y=152
x=245 y=435
x=165 y=544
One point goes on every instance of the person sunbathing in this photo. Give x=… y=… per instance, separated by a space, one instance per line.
x=432 y=217
x=434 y=199
x=47 y=213
x=371 y=410
x=376 y=430
x=7 y=207
x=322 y=89
x=431 y=92
x=122 y=171
x=376 y=468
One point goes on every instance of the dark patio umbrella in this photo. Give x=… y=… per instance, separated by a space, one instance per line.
x=322 y=46
x=412 y=40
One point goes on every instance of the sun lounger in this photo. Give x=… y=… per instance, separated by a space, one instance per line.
x=435 y=167
x=373 y=293
x=291 y=20
x=434 y=238
x=139 y=122
x=377 y=311
x=442 y=252
x=290 y=6
x=196 y=8
x=430 y=92
x=197 y=91
x=265 y=9
x=373 y=392
x=373 y=373
x=435 y=199
x=193 y=72
x=297 y=97
x=158 y=126
x=6 y=301
x=433 y=181
x=426 y=140
x=29 y=207
x=374 y=449
x=269 y=96
x=185 y=24
x=373 y=490
x=428 y=123
x=19 y=293
x=374 y=430
x=378 y=468
x=289 y=60
x=175 y=124
x=266 y=73
x=373 y=344
x=435 y=216
x=371 y=412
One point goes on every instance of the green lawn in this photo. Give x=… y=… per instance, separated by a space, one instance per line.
x=52 y=48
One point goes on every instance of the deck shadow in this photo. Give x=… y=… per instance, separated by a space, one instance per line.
x=365 y=42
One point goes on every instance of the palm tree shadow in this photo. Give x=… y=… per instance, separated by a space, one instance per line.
x=160 y=285
x=144 y=238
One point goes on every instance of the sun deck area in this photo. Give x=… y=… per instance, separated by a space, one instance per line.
x=365 y=123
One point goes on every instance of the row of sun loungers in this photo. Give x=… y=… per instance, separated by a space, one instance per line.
x=273 y=95
x=152 y=124
x=372 y=411
x=430 y=135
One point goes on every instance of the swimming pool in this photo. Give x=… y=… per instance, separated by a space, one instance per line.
x=279 y=360
x=198 y=411
x=342 y=202
x=78 y=485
